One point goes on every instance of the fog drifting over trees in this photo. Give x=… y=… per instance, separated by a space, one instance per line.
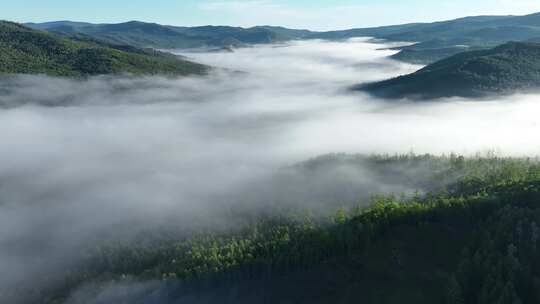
x=83 y=158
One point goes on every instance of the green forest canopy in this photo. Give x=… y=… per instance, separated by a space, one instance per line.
x=27 y=51
x=473 y=241
x=502 y=70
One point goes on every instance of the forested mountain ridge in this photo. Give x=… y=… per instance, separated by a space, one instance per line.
x=438 y=40
x=474 y=242
x=141 y=34
x=505 y=69
x=27 y=51
x=432 y=41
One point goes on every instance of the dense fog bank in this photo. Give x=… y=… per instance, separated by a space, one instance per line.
x=87 y=159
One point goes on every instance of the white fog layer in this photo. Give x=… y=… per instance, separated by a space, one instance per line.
x=80 y=158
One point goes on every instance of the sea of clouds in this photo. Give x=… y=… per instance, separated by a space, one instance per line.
x=85 y=159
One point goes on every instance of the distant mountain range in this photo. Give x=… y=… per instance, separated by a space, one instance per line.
x=439 y=40
x=434 y=41
x=152 y=35
x=28 y=51
x=469 y=57
x=502 y=70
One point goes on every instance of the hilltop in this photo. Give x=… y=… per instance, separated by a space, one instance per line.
x=28 y=51
x=438 y=40
x=142 y=34
x=502 y=70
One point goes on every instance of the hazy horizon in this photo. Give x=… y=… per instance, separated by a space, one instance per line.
x=318 y=15
x=256 y=25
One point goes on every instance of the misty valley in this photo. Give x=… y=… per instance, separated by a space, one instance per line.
x=153 y=164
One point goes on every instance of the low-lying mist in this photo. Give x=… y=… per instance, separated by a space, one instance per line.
x=110 y=156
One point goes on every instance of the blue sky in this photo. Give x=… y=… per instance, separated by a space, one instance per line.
x=312 y=14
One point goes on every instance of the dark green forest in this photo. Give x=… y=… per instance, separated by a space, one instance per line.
x=473 y=239
x=502 y=70
x=27 y=51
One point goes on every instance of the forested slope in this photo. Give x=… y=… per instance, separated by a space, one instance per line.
x=505 y=69
x=27 y=51
x=474 y=241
